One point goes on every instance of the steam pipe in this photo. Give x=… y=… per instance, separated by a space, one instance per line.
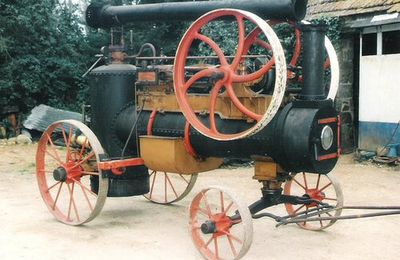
x=106 y=16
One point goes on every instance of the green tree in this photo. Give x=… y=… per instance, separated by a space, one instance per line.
x=41 y=46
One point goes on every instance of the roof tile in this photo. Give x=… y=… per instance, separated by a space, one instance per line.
x=350 y=7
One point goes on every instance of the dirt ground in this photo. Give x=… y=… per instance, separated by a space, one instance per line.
x=133 y=228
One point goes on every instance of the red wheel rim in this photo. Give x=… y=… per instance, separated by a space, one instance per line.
x=320 y=187
x=228 y=73
x=167 y=188
x=232 y=238
x=65 y=170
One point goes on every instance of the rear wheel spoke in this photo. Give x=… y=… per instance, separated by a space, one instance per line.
x=86 y=197
x=83 y=148
x=172 y=186
x=72 y=201
x=60 y=163
x=165 y=188
x=91 y=173
x=84 y=187
x=152 y=183
x=184 y=179
x=53 y=148
x=58 y=194
x=69 y=143
x=90 y=155
x=54 y=185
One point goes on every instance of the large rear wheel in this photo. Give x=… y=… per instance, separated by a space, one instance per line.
x=70 y=182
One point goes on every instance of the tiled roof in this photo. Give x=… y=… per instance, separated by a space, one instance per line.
x=350 y=7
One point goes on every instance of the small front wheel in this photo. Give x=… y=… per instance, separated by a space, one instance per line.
x=319 y=187
x=220 y=225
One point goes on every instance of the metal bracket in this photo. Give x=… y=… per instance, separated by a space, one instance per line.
x=118 y=166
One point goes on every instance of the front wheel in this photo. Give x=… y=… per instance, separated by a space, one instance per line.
x=220 y=225
x=320 y=187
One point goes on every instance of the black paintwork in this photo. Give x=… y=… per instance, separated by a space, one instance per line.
x=107 y=16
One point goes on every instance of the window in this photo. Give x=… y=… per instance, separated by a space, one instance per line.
x=391 y=42
x=369 y=44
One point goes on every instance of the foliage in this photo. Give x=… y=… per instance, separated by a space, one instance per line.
x=164 y=36
x=334 y=25
x=41 y=51
x=45 y=48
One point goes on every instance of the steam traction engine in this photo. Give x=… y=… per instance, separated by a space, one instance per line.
x=155 y=125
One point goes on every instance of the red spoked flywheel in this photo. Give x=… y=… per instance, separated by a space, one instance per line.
x=226 y=74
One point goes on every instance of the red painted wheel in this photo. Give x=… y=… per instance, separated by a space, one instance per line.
x=69 y=180
x=220 y=225
x=227 y=75
x=320 y=187
x=167 y=188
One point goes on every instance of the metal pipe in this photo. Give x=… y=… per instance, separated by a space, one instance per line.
x=194 y=57
x=313 y=62
x=355 y=216
x=106 y=16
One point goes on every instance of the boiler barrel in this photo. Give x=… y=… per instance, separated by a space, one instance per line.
x=292 y=138
x=107 y=16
